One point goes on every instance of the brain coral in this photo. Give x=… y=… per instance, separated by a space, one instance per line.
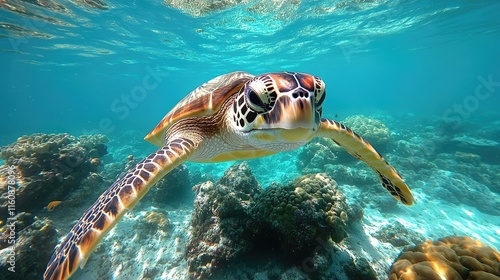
x=309 y=208
x=372 y=130
x=449 y=258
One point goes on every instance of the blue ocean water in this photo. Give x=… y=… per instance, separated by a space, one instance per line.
x=85 y=67
x=67 y=70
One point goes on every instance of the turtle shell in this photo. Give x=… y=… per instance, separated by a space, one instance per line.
x=205 y=100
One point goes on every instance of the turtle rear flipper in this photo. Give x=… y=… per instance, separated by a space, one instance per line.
x=123 y=195
x=361 y=149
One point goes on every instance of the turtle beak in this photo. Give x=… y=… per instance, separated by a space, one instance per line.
x=294 y=111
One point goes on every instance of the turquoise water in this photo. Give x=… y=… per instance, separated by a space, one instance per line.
x=405 y=56
x=429 y=70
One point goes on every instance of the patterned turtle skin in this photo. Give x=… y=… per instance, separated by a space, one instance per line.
x=233 y=116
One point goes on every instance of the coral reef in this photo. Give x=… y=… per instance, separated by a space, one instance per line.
x=327 y=263
x=47 y=167
x=486 y=148
x=34 y=236
x=174 y=188
x=357 y=174
x=318 y=153
x=451 y=187
x=234 y=217
x=323 y=155
x=360 y=269
x=153 y=221
x=39 y=144
x=415 y=166
x=415 y=146
x=219 y=220
x=453 y=257
x=467 y=157
x=309 y=208
x=373 y=130
x=397 y=235
x=468 y=165
x=89 y=187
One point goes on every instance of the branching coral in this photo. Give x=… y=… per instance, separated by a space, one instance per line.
x=450 y=258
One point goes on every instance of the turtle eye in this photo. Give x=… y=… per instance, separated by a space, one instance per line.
x=254 y=101
x=319 y=92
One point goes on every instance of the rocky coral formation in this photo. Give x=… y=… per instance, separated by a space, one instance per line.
x=451 y=187
x=453 y=257
x=371 y=129
x=468 y=165
x=174 y=188
x=356 y=174
x=360 y=269
x=323 y=155
x=220 y=220
x=488 y=149
x=39 y=144
x=415 y=166
x=47 y=167
x=474 y=143
x=415 y=146
x=309 y=208
x=467 y=158
x=234 y=216
x=153 y=221
x=317 y=154
x=327 y=263
x=34 y=236
x=397 y=235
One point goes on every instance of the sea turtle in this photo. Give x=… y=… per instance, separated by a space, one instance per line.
x=233 y=116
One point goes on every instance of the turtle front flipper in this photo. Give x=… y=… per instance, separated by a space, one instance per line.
x=123 y=195
x=361 y=149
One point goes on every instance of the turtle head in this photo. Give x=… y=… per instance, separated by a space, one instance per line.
x=279 y=108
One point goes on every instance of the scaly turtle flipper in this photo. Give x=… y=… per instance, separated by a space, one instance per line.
x=123 y=195
x=361 y=149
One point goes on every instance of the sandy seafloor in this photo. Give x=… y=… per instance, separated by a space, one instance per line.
x=446 y=197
